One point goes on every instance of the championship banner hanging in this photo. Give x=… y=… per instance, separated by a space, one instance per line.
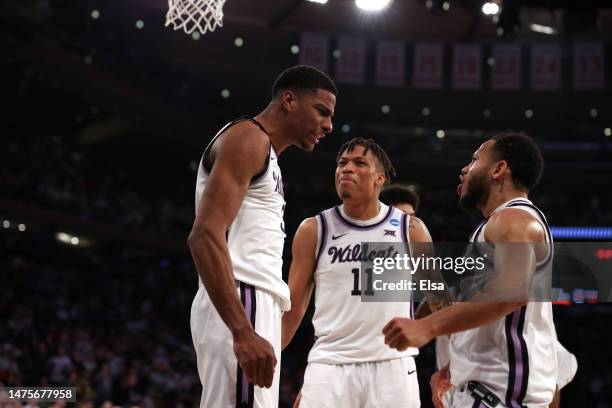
x=428 y=66
x=314 y=51
x=507 y=67
x=467 y=61
x=588 y=66
x=350 y=68
x=390 y=68
x=546 y=67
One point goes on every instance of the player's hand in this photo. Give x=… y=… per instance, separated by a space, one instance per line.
x=440 y=384
x=296 y=403
x=256 y=358
x=401 y=333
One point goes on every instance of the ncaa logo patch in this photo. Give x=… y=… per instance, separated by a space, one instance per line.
x=394 y=221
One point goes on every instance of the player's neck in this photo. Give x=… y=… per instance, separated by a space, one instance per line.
x=498 y=196
x=270 y=120
x=362 y=210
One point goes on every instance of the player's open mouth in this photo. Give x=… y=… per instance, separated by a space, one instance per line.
x=459 y=187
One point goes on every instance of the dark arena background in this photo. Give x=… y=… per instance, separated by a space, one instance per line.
x=106 y=112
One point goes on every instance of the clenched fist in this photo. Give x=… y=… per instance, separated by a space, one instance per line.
x=256 y=358
x=401 y=333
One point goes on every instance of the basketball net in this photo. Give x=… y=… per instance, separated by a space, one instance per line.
x=191 y=15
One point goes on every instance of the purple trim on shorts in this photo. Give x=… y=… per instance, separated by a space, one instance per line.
x=244 y=388
x=349 y=224
x=518 y=359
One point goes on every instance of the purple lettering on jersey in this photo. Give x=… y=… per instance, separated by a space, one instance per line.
x=279 y=183
x=359 y=253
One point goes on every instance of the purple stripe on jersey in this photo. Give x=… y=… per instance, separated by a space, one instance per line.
x=404 y=235
x=323 y=238
x=242 y=118
x=349 y=224
x=405 y=230
x=259 y=176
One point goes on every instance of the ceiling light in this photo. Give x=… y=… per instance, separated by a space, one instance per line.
x=490 y=8
x=372 y=5
x=538 y=28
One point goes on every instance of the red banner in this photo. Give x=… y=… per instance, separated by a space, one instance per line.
x=314 y=51
x=507 y=68
x=546 y=67
x=428 y=66
x=467 y=61
x=390 y=68
x=588 y=66
x=350 y=68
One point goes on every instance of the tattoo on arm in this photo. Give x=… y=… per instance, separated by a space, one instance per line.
x=414 y=222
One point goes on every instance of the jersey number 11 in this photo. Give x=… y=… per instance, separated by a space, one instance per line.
x=369 y=289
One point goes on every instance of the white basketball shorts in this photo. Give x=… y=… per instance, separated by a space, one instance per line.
x=388 y=383
x=224 y=385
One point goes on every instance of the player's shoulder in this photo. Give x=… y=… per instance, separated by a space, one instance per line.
x=244 y=138
x=306 y=234
x=308 y=226
x=514 y=225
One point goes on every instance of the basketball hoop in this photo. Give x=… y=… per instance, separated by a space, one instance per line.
x=191 y=15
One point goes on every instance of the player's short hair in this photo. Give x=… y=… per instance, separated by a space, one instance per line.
x=377 y=150
x=523 y=157
x=397 y=193
x=303 y=77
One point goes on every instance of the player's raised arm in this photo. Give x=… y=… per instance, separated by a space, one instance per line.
x=238 y=156
x=301 y=277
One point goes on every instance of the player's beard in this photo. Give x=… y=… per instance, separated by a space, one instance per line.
x=345 y=194
x=476 y=192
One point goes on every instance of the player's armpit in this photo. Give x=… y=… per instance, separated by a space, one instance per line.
x=301 y=277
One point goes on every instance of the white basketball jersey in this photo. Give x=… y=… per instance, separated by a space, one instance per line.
x=348 y=330
x=257 y=235
x=514 y=356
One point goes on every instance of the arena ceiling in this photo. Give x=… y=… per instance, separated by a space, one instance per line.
x=165 y=76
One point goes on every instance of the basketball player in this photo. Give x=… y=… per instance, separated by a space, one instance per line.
x=402 y=197
x=349 y=365
x=237 y=240
x=503 y=353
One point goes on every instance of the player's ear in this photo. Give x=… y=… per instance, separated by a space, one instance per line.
x=499 y=169
x=381 y=179
x=288 y=99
